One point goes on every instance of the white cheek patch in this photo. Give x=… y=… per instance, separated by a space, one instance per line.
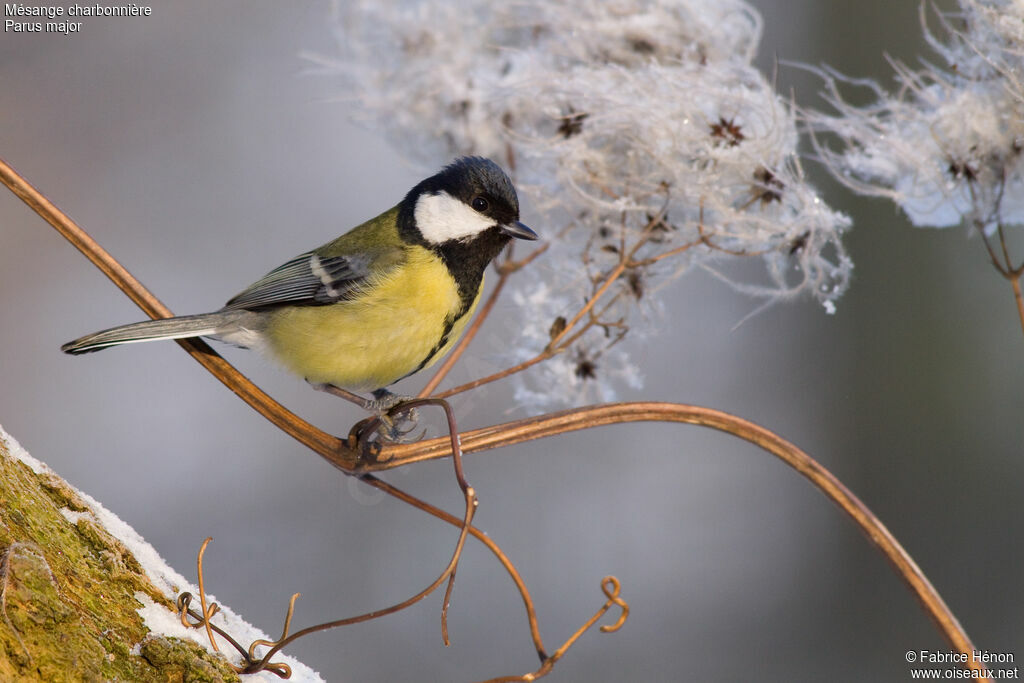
x=441 y=217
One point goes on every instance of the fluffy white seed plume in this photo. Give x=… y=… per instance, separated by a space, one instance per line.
x=947 y=145
x=625 y=123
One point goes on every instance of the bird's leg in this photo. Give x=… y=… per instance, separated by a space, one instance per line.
x=397 y=423
x=395 y=428
x=383 y=400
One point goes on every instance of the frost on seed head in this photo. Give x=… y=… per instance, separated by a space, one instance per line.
x=947 y=145
x=640 y=138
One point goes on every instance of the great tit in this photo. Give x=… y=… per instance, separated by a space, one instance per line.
x=383 y=301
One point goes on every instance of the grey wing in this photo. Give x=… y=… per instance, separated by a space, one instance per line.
x=306 y=279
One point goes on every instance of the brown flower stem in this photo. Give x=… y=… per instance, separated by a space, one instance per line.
x=664 y=255
x=1005 y=249
x=376 y=614
x=531 y=612
x=207 y=612
x=1015 y=283
x=507 y=372
x=610 y=586
x=1005 y=266
x=1011 y=273
x=616 y=413
x=625 y=258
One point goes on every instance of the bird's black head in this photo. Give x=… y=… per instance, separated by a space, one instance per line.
x=470 y=199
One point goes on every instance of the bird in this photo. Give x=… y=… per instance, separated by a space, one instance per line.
x=385 y=300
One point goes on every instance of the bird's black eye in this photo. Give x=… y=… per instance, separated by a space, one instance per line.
x=480 y=204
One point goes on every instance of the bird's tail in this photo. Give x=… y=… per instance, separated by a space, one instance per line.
x=151 y=330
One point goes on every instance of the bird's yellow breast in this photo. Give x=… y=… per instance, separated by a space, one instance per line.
x=393 y=327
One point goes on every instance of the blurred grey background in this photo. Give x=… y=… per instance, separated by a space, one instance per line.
x=192 y=147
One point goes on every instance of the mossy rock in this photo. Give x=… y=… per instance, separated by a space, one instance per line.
x=68 y=610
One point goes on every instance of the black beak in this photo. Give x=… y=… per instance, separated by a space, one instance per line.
x=518 y=230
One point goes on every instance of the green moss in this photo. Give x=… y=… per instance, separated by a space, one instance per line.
x=67 y=595
x=176 y=660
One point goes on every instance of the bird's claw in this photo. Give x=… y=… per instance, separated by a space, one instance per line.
x=393 y=426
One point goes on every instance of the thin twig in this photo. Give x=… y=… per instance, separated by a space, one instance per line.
x=531 y=612
x=664 y=255
x=184 y=604
x=1018 y=298
x=610 y=585
x=1004 y=267
x=625 y=257
x=376 y=614
x=208 y=612
x=507 y=372
x=279 y=668
x=1006 y=250
x=1013 y=274
x=460 y=477
x=1003 y=270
